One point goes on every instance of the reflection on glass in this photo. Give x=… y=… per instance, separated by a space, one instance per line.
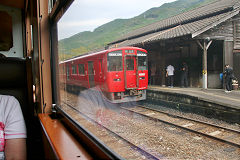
x=99 y=88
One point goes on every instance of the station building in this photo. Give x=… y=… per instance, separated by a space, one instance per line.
x=206 y=38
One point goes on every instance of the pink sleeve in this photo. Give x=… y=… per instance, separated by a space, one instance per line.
x=14 y=121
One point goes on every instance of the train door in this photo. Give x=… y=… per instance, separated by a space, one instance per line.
x=130 y=71
x=91 y=74
x=101 y=70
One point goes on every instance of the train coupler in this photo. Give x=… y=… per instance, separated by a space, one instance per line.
x=134 y=92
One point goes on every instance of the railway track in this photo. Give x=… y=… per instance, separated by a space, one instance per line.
x=110 y=138
x=223 y=134
x=161 y=140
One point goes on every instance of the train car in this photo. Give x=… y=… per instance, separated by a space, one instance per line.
x=120 y=73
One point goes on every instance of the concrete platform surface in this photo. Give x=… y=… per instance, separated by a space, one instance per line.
x=218 y=96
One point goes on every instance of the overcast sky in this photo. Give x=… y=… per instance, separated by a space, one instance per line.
x=86 y=15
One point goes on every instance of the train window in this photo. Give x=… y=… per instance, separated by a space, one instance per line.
x=74 y=69
x=142 y=60
x=93 y=100
x=68 y=72
x=112 y=102
x=142 y=63
x=130 y=63
x=81 y=69
x=114 y=61
x=90 y=67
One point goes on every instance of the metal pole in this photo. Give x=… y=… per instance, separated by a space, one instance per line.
x=204 y=71
x=204 y=61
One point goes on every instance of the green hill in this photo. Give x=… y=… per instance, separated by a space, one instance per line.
x=87 y=41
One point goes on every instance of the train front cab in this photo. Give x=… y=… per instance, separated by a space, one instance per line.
x=127 y=74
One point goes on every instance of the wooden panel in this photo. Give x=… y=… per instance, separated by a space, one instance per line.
x=236 y=64
x=44 y=54
x=13 y=3
x=237 y=33
x=62 y=142
x=224 y=31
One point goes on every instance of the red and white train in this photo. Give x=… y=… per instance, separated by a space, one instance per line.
x=120 y=73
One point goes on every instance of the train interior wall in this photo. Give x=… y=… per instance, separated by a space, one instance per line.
x=13 y=44
x=190 y=53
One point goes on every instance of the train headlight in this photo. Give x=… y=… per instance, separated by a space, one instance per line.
x=141 y=78
x=117 y=79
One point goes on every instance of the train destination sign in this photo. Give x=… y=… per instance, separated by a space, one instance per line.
x=115 y=54
x=141 y=54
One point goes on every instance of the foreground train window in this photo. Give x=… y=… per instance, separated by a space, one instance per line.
x=103 y=88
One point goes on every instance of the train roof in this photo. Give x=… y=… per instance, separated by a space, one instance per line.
x=100 y=52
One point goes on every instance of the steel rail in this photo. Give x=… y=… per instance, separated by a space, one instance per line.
x=190 y=119
x=139 y=149
x=185 y=128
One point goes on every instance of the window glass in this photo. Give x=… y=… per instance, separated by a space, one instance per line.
x=142 y=60
x=90 y=67
x=130 y=64
x=68 y=71
x=81 y=69
x=111 y=98
x=74 y=70
x=99 y=92
x=114 y=61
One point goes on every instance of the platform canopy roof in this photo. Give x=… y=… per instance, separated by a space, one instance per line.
x=192 y=23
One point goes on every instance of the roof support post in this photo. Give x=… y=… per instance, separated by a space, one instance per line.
x=204 y=47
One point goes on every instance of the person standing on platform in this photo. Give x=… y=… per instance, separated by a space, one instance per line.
x=184 y=75
x=228 y=72
x=169 y=75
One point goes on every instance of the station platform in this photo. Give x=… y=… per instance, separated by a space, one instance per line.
x=213 y=101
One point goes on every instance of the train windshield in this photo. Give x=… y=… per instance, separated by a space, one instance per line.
x=142 y=60
x=114 y=61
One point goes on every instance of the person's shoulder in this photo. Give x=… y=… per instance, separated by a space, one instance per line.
x=8 y=97
x=8 y=100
